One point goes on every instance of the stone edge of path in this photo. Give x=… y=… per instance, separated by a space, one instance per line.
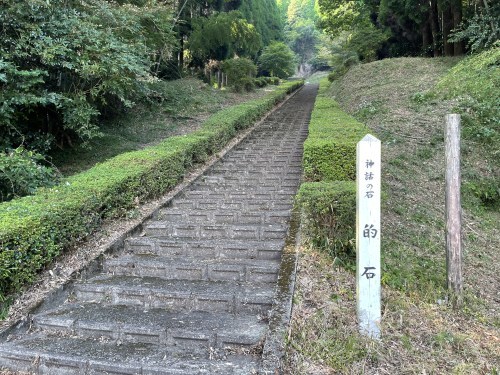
x=59 y=288
x=281 y=311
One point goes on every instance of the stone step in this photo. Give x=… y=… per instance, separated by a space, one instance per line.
x=242 y=270
x=182 y=295
x=215 y=216
x=195 y=331
x=277 y=139
x=218 y=184
x=47 y=355
x=246 y=206
x=274 y=175
x=248 y=155
x=237 y=195
x=188 y=230
x=268 y=183
x=240 y=163
x=220 y=249
x=244 y=156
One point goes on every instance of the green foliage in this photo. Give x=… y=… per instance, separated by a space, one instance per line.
x=264 y=15
x=392 y=28
x=260 y=82
x=35 y=229
x=300 y=11
x=475 y=82
x=222 y=36
x=303 y=34
x=341 y=60
x=339 y=16
x=22 y=172
x=329 y=210
x=303 y=38
x=481 y=31
x=355 y=35
x=365 y=40
x=272 y=80
x=240 y=73
x=62 y=62
x=278 y=60
x=486 y=190
x=330 y=149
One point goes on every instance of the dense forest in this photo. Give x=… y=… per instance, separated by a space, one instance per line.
x=65 y=65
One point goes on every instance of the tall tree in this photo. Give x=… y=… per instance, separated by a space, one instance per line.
x=277 y=60
x=222 y=36
x=265 y=16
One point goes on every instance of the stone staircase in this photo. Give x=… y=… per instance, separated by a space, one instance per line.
x=192 y=293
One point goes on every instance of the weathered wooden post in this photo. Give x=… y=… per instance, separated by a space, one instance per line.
x=453 y=206
x=368 y=235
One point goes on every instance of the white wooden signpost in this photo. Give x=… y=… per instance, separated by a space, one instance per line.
x=368 y=270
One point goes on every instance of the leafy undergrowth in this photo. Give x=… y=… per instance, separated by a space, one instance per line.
x=189 y=102
x=422 y=334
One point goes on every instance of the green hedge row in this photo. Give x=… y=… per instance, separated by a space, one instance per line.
x=330 y=149
x=328 y=197
x=329 y=214
x=35 y=229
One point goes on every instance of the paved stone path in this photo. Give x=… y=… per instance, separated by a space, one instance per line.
x=192 y=294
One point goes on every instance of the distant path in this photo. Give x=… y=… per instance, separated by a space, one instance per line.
x=192 y=294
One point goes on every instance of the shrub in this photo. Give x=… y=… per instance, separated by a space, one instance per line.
x=35 y=229
x=260 y=82
x=330 y=149
x=240 y=73
x=22 y=172
x=487 y=190
x=278 y=60
x=63 y=62
x=272 y=80
x=329 y=213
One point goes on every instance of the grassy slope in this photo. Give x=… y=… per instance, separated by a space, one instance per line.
x=190 y=101
x=422 y=334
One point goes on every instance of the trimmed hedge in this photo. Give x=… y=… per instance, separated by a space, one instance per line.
x=329 y=214
x=35 y=229
x=328 y=198
x=330 y=149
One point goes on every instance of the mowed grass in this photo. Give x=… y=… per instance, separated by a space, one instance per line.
x=188 y=103
x=421 y=332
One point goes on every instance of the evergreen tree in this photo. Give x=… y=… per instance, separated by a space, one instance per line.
x=222 y=36
x=265 y=16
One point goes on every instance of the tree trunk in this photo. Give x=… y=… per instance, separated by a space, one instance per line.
x=434 y=25
x=447 y=20
x=456 y=8
x=181 y=53
x=426 y=38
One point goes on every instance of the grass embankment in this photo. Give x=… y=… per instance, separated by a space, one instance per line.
x=35 y=229
x=422 y=334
